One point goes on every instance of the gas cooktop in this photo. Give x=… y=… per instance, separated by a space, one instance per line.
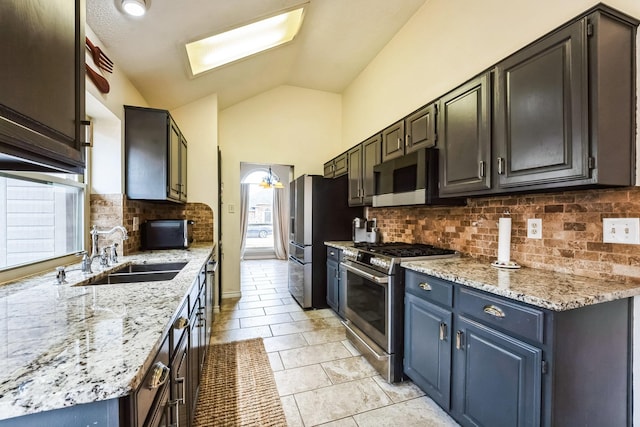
x=403 y=250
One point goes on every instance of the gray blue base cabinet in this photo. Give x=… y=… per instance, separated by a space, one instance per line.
x=492 y=361
x=335 y=298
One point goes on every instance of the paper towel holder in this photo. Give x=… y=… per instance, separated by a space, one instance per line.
x=502 y=263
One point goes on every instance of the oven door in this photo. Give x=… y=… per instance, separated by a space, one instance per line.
x=367 y=305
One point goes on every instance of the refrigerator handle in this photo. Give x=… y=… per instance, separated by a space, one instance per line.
x=292 y=230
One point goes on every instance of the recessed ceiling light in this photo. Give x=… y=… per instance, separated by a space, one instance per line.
x=232 y=45
x=134 y=7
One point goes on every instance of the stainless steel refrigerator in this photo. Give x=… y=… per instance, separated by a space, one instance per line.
x=319 y=213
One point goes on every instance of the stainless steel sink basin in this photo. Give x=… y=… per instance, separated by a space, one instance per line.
x=142 y=268
x=135 y=273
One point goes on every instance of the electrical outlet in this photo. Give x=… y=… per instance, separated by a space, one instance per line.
x=621 y=230
x=534 y=228
x=136 y=223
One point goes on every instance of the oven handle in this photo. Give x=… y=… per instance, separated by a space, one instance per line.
x=382 y=280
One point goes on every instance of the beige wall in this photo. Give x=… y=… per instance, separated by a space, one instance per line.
x=444 y=44
x=198 y=121
x=287 y=125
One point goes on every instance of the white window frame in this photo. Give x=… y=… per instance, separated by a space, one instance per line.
x=19 y=271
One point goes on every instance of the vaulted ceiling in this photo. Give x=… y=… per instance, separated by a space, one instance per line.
x=337 y=40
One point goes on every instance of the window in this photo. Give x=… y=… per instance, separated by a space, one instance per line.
x=41 y=217
x=259 y=213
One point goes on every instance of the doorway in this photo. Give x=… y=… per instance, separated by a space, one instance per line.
x=264 y=206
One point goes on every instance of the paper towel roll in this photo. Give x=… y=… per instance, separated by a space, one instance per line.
x=504 y=240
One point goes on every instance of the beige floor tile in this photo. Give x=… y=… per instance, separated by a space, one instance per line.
x=399 y=392
x=344 y=422
x=248 y=298
x=241 y=334
x=419 y=412
x=313 y=314
x=273 y=295
x=271 y=319
x=289 y=308
x=352 y=349
x=332 y=322
x=275 y=361
x=284 y=342
x=239 y=314
x=291 y=412
x=258 y=292
x=313 y=354
x=297 y=380
x=349 y=369
x=259 y=304
x=224 y=324
x=301 y=326
x=325 y=335
x=340 y=401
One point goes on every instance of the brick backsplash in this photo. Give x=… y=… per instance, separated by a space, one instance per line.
x=571 y=230
x=108 y=210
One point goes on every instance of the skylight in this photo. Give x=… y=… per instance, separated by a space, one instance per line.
x=241 y=42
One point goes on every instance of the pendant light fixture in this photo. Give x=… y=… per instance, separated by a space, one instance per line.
x=271 y=181
x=134 y=7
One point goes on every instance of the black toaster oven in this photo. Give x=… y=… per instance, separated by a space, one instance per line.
x=167 y=234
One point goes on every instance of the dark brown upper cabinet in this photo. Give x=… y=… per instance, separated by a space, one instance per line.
x=362 y=158
x=464 y=133
x=336 y=167
x=564 y=111
x=155 y=156
x=416 y=131
x=42 y=85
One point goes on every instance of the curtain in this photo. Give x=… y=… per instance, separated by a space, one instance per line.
x=280 y=222
x=244 y=209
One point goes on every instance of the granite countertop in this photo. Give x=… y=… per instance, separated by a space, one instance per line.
x=63 y=345
x=542 y=288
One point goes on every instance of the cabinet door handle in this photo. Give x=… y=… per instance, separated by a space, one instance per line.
x=458 y=340
x=159 y=376
x=481 y=169
x=443 y=330
x=182 y=382
x=181 y=323
x=399 y=142
x=406 y=140
x=425 y=286
x=494 y=311
x=332 y=253
x=500 y=166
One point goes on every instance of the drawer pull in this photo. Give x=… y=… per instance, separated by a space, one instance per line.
x=443 y=330
x=425 y=286
x=159 y=376
x=494 y=311
x=458 y=340
x=181 y=323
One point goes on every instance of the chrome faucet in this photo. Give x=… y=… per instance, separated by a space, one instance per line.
x=95 y=252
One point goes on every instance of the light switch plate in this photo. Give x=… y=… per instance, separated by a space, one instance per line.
x=136 y=223
x=621 y=230
x=534 y=228
x=232 y=208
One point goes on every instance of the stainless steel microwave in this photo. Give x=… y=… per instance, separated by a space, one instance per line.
x=166 y=234
x=409 y=180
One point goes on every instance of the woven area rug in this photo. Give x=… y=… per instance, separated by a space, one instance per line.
x=237 y=387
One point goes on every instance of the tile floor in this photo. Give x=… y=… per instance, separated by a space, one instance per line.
x=321 y=377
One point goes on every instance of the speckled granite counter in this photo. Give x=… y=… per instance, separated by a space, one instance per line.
x=542 y=288
x=62 y=345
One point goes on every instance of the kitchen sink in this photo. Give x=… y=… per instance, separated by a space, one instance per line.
x=135 y=273
x=143 y=268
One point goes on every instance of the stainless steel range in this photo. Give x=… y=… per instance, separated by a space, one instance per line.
x=375 y=300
